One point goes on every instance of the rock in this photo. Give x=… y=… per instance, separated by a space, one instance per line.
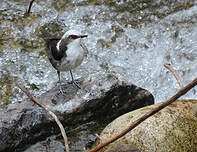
x=123 y=148
x=102 y=99
x=172 y=129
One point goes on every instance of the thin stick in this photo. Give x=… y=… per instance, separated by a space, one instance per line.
x=166 y=65
x=36 y=101
x=181 y=92
x=30 y=5
x=98 y=137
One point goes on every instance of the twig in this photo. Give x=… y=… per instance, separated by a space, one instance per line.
x=36 y=101
x=30 y=5
x=99 y=137
x=181 y=92
x=175 y=74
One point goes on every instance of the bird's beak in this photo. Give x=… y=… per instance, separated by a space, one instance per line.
x=82 y=36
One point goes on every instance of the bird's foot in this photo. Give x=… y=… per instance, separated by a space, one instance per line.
x=61 y=90
x=75 y=83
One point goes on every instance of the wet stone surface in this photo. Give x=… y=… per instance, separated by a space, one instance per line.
x=23 y=123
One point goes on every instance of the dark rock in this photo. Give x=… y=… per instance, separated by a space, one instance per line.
x=104 y=99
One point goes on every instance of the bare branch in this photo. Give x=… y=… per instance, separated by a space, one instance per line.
x=166 y=65
x=30 y=5
x=98 y=137
x=180 y=93
x=36 y=101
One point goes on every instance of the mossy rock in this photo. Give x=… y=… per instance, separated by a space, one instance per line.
x=173 y=129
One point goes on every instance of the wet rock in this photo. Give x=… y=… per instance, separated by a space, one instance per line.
x=101 y=99
x=173 y=128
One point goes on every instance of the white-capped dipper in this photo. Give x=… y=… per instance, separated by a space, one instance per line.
x=65 y=53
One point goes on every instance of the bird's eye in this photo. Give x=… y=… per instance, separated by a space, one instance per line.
x=74 y=36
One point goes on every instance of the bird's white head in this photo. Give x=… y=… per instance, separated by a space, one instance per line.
x=71 y=32
x=71 y=36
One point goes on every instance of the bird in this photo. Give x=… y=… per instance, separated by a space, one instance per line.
x=65 y=53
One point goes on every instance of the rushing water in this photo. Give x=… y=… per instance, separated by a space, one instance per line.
x=132 y=39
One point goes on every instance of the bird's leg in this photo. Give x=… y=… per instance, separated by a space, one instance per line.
x=60 y=86
x=73 y=81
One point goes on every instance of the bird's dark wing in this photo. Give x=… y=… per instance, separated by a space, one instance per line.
x=51 y=43
x=52 y=46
